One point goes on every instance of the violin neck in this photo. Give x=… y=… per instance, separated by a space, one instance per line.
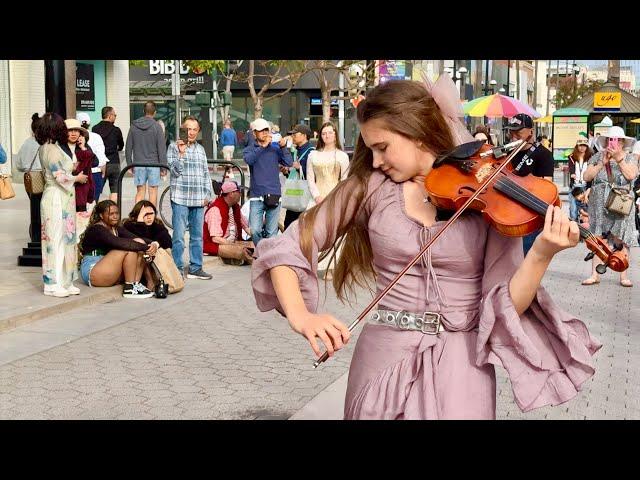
x=521 y=195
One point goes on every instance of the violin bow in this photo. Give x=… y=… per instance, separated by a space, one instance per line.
x=520 y=144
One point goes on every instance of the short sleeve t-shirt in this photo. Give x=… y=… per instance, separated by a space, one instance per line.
x=539 y=163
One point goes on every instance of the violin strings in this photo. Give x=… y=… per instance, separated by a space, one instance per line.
x=519 y=193
x=530 y=200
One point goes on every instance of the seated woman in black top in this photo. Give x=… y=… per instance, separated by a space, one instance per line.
x=110 y=252
x=143 y=222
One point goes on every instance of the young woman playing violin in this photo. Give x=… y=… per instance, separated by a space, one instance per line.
x=473 y=301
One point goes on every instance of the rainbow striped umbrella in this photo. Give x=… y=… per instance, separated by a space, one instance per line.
x=497 y=105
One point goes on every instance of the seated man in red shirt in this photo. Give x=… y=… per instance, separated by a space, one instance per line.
x=223 y=225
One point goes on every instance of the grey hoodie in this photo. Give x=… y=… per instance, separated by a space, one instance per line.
x=145 y=142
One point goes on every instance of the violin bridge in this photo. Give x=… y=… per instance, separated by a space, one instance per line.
x=483 y=172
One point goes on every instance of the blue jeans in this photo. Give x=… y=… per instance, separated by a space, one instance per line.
x=98 y=181
x=263 y=221
x=194 y=217
x=573 y=208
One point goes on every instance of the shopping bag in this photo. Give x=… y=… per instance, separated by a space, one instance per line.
x=170 y=273
x=296 y=194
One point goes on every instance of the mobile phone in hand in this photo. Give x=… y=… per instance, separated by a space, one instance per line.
x=184 y=135
x=613 y=143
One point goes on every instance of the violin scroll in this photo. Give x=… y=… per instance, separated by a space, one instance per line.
x=616 y=260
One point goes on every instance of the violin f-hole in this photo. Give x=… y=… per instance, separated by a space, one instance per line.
x=466 y=188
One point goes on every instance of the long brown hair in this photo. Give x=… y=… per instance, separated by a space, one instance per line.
x=587 y=153
x=133 y=215
x=321 y=145
x=407 y=109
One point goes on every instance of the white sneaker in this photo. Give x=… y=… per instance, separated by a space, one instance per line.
x=73 y=290
x=56 y=291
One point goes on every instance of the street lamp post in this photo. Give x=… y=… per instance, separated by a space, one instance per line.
x=576 y=70
x=486 y=77
x=491 y=87
x=175 y=84
x=461 y=72
x=453 y=71
x=501 y=92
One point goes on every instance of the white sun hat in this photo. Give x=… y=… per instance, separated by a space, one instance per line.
x=614 y=132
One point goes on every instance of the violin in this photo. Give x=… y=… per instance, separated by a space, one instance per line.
x=515 y=206
x=471 y=176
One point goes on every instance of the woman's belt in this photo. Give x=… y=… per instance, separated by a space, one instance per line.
x=426 y=322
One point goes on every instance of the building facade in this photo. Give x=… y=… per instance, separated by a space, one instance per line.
x=25 y=89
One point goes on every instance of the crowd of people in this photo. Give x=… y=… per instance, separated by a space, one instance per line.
x=83 y=237
x=78 y=163
x=428 y=350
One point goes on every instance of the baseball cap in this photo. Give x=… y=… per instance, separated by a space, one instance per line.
x=83 y=117
x=582 y=141
x=519 y=121
x=301 y=128
x=228 y=187
x=260 y=124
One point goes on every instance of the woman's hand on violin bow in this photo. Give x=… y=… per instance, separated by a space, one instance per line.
x=333 y=333
x=558 y=233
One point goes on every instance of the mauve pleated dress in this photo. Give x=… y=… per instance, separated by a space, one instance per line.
x=401 y=374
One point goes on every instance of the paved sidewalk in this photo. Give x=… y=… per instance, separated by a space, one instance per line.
x=208 y=353
x=21 y=297
x=611 y=312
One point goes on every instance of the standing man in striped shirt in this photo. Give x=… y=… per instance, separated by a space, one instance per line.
x=191 y=191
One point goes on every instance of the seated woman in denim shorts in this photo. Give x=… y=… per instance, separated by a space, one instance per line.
x=111 y=254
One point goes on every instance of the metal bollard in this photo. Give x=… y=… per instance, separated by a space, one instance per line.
x=565 y=176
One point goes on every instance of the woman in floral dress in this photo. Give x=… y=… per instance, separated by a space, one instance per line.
x=613 y=161
x=57 y=209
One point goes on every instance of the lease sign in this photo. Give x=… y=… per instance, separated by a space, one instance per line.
x=607 y=101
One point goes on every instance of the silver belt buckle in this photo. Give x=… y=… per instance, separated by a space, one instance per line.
x=430 y=321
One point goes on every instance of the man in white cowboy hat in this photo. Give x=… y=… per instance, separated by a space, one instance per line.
x=614 y=164
x=533 y=159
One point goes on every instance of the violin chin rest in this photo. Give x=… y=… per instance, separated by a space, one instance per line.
x=461 y=152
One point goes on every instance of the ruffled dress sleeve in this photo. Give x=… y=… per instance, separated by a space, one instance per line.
x=285 y=249
x=52 y=156
x=546 y=351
